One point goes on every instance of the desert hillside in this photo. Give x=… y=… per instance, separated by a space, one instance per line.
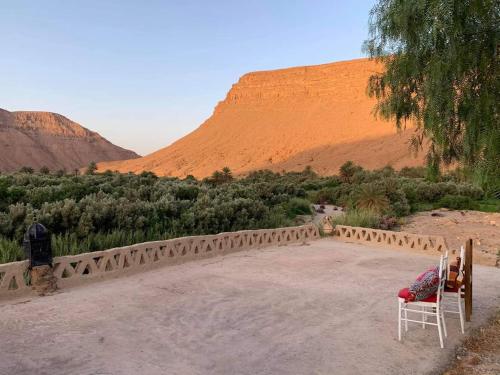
x=37 y=139
x=285 y=120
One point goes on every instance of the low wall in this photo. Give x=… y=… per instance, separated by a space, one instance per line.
x=390 y=239
x=76 y=269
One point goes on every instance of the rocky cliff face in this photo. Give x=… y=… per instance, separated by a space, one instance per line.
x=285 y=120
x=38 y=139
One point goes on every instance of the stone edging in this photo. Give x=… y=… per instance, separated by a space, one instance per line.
x=391 y=239
x=77 y=269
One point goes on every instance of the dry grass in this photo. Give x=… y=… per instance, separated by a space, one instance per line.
x=480 y=353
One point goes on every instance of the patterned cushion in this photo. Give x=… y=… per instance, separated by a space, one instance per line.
x=426 y=285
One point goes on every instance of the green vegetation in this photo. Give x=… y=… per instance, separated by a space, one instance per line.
x=442 y=71
x=103 y=210
x=359 y=218
x=297 y=206
x=371 y=197
x=489 y=205
x=458 y=202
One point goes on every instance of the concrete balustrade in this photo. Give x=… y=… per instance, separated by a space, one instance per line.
x=390 y=239
x=77 y=269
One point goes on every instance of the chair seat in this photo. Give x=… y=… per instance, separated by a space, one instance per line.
x=405 y=293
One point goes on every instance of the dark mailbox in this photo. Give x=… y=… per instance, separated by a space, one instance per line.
x=37 y=245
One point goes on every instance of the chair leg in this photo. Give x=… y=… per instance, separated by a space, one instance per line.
x=460 y=311
x=424 y=317
x=439 y=330
x=399 y=319
x=444 y=324
x=406 y=320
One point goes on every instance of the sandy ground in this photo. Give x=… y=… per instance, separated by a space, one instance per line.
x=480 y=354
x=329 y=210
x=458 y=226
x=326 y=308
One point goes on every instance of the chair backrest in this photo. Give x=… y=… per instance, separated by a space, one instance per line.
x=443 y=271
x=462 y=260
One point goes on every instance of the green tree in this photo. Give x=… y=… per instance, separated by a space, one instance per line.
x=221 y=177
x=28 y=170
x=441 y=71
x=371 y=197
x=92 y=168
x=348 y=170
x=227 y=174
x=60 y=172
x=45 y=170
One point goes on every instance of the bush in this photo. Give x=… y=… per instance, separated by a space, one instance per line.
x=348 y=170
x=358 y=218
x=388 y=222
x=412 y=172
x=325 y=196
x=102 y=210
x=458 y=202
x=298 y=206
x=399 y=204
x=371 y=197
x=10 y=251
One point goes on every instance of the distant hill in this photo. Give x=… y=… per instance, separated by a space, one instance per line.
x=38 y=139
x=285 y=120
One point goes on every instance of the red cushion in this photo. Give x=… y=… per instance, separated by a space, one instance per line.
x=409 y=297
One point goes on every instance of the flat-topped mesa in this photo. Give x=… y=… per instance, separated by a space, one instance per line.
x=45 y=139
x=300 y=83
x=287 y=119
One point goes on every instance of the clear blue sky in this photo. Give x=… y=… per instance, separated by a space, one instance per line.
x=144 y=73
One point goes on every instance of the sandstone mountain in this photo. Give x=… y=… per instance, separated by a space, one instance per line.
x=285 y=120
x=38 y=139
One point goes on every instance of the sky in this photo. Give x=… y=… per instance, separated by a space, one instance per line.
x=145 y=73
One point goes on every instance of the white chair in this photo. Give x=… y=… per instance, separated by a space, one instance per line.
x=431 y=306
x=456 y=293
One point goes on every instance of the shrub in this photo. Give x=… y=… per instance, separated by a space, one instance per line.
x=471 y=191
x=91 y=168
x=347 y=171
x=371 y=197
x=388 y=222
x=325 y=196
x=413 y=172
x=10 y=251
x=27 y=170
x=45 y=170
x=97 y=211
x=358 y=218
x=428 y=192
x=297 y=206
x=399 y=205
x=458 y=202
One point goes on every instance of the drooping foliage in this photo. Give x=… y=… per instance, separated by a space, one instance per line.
x=442 y=72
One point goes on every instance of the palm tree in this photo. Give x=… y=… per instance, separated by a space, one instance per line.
x=371 y=197
x=227 y=174
x=92 y=168
x=347 y=171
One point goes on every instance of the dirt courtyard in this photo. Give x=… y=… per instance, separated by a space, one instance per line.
x=457 y=226
x=324 y=308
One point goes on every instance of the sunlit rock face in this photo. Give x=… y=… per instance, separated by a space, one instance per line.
x=287 y=119
x=37 y=139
